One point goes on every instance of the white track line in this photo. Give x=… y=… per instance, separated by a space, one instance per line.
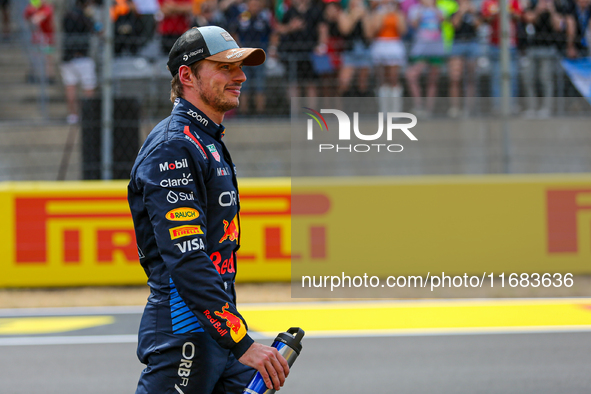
x=68 y=340
x=74 y=311
x=106 y=339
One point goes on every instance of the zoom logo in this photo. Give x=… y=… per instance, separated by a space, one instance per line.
x=197 y=117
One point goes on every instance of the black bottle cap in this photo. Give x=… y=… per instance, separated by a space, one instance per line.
x=292 y=338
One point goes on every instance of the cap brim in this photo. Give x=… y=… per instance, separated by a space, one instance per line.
x=250 y=56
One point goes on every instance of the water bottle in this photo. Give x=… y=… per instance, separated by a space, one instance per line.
x=289 y=346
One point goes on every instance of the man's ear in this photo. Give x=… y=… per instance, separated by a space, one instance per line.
x=185 y=76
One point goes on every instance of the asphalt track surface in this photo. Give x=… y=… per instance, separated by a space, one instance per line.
x=92 y=350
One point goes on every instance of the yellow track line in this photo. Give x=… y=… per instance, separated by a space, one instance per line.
x=50 y=325
x=407 y=317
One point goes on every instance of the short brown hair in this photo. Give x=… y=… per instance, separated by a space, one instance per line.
x=176 y=87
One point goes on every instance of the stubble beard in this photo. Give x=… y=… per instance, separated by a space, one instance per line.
x=215 y=101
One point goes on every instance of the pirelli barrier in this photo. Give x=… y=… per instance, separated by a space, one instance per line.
x=454 y=224
x=81 y=233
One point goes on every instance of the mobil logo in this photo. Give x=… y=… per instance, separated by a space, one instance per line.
x=173 y=165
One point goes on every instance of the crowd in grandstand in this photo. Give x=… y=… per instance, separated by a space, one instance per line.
x=362 y=48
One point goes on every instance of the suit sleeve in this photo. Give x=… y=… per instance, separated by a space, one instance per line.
x=173 y=178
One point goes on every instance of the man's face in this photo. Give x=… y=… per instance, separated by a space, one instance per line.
x=255 y=6
x=218 y=84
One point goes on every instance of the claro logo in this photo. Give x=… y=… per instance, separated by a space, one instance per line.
x=345 y=128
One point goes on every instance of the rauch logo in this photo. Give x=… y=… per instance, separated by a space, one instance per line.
x=345 y=130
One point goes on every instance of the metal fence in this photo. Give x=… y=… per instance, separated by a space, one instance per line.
x=37 y=142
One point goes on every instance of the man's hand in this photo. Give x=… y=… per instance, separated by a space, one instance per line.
x=296 y=24
x=571 y=52
x=268 y=362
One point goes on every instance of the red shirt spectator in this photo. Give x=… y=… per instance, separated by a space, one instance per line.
x=176 y=20
x=40 y=14
x=491 y=13
x=177 y=15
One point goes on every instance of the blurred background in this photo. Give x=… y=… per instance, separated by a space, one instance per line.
x=84 y=81
x=499 y=181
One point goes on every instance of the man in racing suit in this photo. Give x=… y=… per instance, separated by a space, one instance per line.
x=183 y=197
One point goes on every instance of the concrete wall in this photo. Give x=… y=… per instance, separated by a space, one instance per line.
x=262 y=148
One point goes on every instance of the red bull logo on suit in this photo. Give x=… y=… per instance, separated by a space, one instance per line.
x=236 y=325
x=231 y=230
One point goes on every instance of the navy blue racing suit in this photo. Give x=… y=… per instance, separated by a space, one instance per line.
x=183 y=197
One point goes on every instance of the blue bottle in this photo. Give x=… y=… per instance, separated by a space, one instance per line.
x=289 y=346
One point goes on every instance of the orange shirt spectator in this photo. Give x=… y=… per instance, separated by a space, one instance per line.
x=197 y=7
x=389 y=26
x=121 y=7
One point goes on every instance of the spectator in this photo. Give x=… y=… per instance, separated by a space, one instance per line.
x=354 y=26
x=300 y=37
x=387 y=52
x=175 y=20
x=427 y=50
x=253 y=30
x=464 y=52
x=231 y=9
x=334 y=46
x=406 y=5
x=196 y=8
x=40 y=15
x=77 y=66
x=448 y=8
x=126 y=27
x=146 y=11
x=545 y=24
x=578 y=28
x=491 y=14
x=5 y=9
x=209 y=15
